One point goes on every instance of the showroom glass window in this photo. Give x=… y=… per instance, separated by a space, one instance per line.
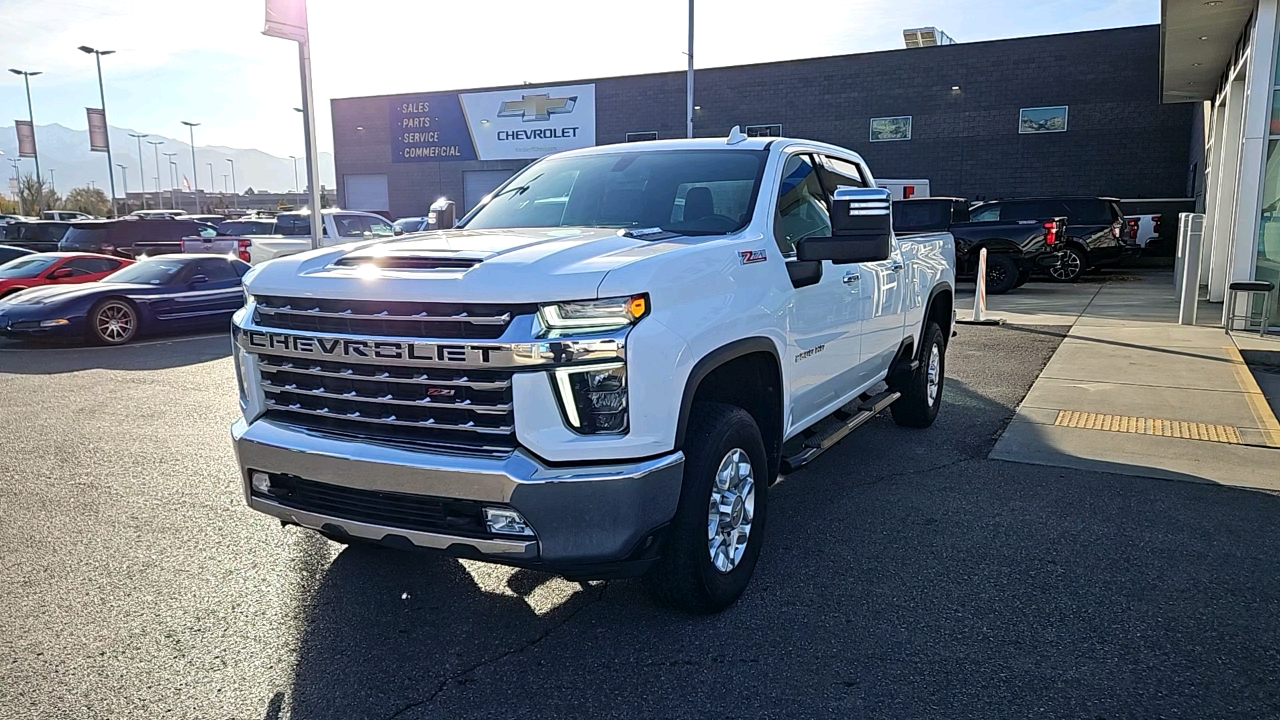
x=1268 y=262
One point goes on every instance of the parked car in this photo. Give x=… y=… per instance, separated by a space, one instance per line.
x=293 y=235
x=132 y=236
x=165 y=293
x=209 y=219
x=1142 y=229
x=1016 y=246
x=159 y=213
x=55 y=269
x=248 y=226
x=64 y=215
x=6 y=219
x=412 y=224
x=1095 y=229
x=9 y=252
x=604 y=363
x=35 y=235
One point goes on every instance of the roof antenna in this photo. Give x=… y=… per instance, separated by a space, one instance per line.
x=735 y=136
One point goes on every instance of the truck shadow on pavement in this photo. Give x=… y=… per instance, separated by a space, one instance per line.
x=153 y=353
x=903 y=575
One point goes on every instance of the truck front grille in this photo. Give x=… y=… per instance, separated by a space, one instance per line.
x=467 y=411
x=388 y=319
x=375 y=507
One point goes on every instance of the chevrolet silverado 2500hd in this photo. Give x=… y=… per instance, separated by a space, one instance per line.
x=601 y=371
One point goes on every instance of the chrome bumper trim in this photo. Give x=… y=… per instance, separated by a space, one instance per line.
x=514 y=549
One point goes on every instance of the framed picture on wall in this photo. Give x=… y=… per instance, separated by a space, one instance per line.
x=1042 y=119
x=891 y=128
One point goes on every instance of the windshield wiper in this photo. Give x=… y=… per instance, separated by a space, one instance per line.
x=517 y=189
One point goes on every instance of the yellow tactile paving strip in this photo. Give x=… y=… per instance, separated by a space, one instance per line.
x=1148 y=426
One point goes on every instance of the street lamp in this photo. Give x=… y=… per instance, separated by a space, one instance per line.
x=294 y=158
x=17 y=179
x=31 y=115
x=52 y=186
x=213 y=184
x=124 y=176
x=142 y=176
x=155 y=146
x=173 y=179
x=102 y=94
x=235 y=197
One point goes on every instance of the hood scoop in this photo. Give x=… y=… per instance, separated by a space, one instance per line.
x=409 y=262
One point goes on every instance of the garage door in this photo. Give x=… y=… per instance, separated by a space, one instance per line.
x=366 y=192
x=478 y=183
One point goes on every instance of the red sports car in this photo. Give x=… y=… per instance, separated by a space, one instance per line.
x=55 y=268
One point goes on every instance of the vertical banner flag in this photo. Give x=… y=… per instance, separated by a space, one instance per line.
x=287 y=19
x=97 y=129
x=26 y=138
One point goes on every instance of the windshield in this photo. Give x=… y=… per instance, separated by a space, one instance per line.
x=690 y=192
x=92 y=235
x=25 y=267
x=156 y=271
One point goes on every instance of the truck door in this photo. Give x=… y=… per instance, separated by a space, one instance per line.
x=881 y=300
x=822 y=324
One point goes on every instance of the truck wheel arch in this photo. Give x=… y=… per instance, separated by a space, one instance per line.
x=940 y=308
x=754 y=354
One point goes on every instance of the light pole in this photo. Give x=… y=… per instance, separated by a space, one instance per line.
x=224 y=182
x=195 y=169
x=102 y=94
x=688 y=100
x=142 y=175
x=155 y=146
x=124 y=176
x=17 y=176
x=31 y=115
x=213 y=184
x=235 y=197
x=173 y=179
x=294 y=158
x=52 y=186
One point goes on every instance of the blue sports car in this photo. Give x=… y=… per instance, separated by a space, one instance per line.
x=163 y=293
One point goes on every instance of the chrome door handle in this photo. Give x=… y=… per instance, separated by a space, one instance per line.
x=853 y=279
x=897 y=266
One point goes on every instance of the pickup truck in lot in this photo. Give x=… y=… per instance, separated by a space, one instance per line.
x=290 y=233
x=602 y=369
x=1016 y=245
x=1095 y=235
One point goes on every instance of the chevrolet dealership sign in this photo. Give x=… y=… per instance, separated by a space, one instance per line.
x=521 y=124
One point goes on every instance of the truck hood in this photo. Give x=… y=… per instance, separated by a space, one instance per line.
x=477 y=266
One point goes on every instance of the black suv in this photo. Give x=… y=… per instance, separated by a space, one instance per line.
x=132 y=236
x=37 y=235
x=1095 y=229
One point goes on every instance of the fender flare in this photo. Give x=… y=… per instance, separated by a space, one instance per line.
x=937 y=291
x=709 y=362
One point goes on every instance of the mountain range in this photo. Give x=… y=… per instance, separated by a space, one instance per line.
x=66 y=152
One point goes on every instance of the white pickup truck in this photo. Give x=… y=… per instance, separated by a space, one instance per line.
x=602 y=370
x=292 y=235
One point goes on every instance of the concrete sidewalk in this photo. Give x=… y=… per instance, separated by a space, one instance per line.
x=1131 y=391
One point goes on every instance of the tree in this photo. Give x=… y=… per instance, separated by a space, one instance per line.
x=88 y=200
x=7 y=206
x=36 y=195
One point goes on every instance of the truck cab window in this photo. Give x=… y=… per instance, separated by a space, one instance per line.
x=985 y=213
x=802 y=205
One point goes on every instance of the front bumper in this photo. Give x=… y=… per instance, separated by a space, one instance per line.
x=22 y=325
x=592 y=521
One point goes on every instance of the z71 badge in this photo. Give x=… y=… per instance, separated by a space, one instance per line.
x=751 y=256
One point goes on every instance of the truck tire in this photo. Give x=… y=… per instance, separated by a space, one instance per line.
x=1023 y=277
x=714 y=540
x=1070 y=267
x=922 y=389
x=1002 y=274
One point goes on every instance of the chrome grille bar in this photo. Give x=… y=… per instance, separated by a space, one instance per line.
x=388 y=399
x=380 y=375
x=428 y=423
x=502 y=319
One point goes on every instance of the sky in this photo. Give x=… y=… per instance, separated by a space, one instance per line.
x=207 y=62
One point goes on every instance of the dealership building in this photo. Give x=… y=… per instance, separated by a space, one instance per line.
x=1076 y=113
x=1220 y=58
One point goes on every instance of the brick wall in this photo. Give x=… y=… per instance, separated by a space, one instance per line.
x=1120 y=140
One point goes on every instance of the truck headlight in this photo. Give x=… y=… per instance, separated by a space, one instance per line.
x=594 y=399
x=608 y=314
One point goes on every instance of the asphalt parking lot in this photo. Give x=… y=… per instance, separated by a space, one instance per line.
x=904 y=575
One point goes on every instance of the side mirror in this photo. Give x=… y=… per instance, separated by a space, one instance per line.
x=199 y=279
x=861 y=229
x=397 y=231
x=62 y=273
